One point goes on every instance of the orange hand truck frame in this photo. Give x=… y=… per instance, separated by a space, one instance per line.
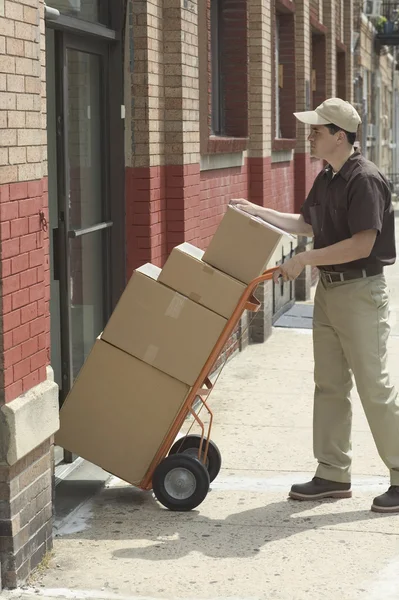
x=183 y=470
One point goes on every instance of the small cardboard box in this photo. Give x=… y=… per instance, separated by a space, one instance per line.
x=185 y=272
x=118 y=412
x=163 y=328
x=242 y=245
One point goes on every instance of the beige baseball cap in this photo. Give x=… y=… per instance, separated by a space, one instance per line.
x=335 y=111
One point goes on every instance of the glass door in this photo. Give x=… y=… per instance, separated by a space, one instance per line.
x=84 y=226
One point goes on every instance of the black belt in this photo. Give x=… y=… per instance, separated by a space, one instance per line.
x=334 y=276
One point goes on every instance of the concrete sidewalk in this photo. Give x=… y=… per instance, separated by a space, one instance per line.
x=246 y=540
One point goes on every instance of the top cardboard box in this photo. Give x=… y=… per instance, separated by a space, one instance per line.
x=185 y=272
x=242 y=245
x=163 y=328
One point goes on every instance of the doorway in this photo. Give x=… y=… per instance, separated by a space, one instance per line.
x=85 y=169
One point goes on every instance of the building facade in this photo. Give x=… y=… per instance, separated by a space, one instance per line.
x=126 y=127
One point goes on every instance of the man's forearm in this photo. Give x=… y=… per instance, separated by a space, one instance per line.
x=355 y=248
x=292 y=223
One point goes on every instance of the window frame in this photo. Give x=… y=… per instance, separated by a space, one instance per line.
x=217 y=113
x=277 y=95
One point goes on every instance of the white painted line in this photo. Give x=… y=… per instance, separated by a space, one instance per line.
x=57 y=593
x=279 y=482
x=284 y=482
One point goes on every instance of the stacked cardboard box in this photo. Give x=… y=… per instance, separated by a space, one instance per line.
x=186 y=272
x=242 y=245
x=162 y=327
x=140 y=371
x=119 y=411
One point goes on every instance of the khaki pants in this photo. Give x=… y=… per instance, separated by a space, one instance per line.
x=350 y=336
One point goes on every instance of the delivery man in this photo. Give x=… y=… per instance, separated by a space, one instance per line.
x=349 y=213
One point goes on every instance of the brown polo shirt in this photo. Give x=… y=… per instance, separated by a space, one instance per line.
x=357 y=198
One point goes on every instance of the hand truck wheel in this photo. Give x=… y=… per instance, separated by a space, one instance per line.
x=180 y=482
x=190 y=446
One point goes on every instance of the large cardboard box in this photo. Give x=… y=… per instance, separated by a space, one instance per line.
x=242 y=245
x=162 y=327
x=185 y=272
x=119 y=412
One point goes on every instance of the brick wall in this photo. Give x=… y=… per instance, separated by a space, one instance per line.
x=25 y=515
x=23 y=195
x=349 y=25
x=339 y=20
x=168 y=199
x=217 y=189
x=282 y=186
x=330 y=21
x=314 y=9
x=25 y=487
x=24 y=248
x=144 y=97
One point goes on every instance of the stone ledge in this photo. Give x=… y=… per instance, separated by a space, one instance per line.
x=211 y=162
x=29 y=420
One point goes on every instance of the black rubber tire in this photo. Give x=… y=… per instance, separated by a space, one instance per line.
x=192 y=442
x=186 y=463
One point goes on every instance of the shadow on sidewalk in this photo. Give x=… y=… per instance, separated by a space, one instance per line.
x=136 y=516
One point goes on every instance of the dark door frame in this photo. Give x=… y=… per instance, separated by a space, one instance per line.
x=65 y=43
x=89 y=37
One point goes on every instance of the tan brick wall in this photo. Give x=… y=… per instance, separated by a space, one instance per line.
x=303 y=83
x=315 y=9
x=330 y=14
x=339 y=19
x=164 y=72
x=22 y=89
x=181 y=80
x=366 y=45
x=260 y=56
x=348 y=28
x=163 y=98
x=144 y=81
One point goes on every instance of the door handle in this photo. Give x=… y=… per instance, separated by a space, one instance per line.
x=75 y=233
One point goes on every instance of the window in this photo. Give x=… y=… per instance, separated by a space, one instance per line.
x=341 y=75
x=284 y=78
x=319 y=57
x=216 y=70
x=228 y=63
x=277 y=81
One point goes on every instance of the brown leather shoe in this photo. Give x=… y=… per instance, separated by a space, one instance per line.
x=388 y=502
x=318 y=488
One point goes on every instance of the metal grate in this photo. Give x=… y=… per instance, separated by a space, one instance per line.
x=389 y=11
